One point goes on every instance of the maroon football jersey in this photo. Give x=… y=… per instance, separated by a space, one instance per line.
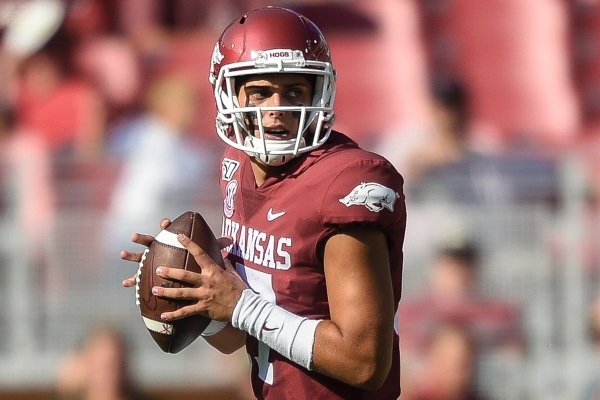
x=280 y=230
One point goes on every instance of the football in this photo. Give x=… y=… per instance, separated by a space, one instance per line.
x=165 y=250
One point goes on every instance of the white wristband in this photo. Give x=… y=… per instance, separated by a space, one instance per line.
x=288 y=334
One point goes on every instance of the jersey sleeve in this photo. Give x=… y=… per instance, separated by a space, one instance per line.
x=365 y=191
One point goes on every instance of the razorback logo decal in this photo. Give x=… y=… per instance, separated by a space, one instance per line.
x=372 y=195
x=215 y=60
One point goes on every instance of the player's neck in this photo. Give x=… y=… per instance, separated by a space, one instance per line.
x=261 y=172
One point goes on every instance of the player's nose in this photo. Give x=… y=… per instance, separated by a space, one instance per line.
x=277 y=100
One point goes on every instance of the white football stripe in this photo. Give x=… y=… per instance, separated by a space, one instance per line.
x=168 y=238
x=156 y=326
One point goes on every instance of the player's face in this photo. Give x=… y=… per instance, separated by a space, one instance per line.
x=273 y=90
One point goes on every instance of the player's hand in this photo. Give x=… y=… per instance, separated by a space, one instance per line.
x=213 y=292
x=144 y=240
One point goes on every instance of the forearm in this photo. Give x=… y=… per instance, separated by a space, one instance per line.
x=288 y=334
x=361 y=360
x=228 y=340
x=357 y=359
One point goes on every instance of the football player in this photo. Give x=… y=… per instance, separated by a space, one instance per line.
x=313 y=225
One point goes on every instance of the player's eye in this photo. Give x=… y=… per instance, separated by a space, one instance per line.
x=258 y=95
x=298 y=94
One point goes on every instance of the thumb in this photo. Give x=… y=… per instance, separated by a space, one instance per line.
x=229 y=267
x=224 y=241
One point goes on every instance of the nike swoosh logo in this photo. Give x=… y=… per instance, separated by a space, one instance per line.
x=271 y=216
x=266 y=328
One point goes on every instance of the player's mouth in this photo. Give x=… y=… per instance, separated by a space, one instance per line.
x=277 y=132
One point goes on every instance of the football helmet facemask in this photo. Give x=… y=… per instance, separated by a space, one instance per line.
x=272 y=40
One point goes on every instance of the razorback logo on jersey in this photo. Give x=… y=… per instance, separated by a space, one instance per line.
x=372 y=195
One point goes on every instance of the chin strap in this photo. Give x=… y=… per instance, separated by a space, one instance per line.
x=273 y=160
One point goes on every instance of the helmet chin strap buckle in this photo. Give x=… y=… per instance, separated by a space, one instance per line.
x=271 y=160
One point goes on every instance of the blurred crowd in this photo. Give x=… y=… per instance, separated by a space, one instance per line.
x=105 y=108
x=98 y=369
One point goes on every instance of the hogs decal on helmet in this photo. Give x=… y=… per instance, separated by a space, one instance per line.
x=272 y=40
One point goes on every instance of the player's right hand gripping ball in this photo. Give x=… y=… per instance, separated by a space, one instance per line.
x=165 y=250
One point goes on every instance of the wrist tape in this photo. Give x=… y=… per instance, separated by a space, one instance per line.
x=288 y=334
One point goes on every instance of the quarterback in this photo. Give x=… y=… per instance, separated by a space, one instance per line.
x=313 y=225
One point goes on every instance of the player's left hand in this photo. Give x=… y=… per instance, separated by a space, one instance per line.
x=214 y=292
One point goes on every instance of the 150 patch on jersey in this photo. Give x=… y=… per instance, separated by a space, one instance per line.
x=372 y=195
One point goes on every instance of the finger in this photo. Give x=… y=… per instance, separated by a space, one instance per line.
x=230 y=269
x=164 y=223
x=229 y=266
x=224 y=241
x=143 y=239
x=130 y=256
x=129 y=282
x=181 y=275
x=183 y=312
x=182 y=293
x=201 y=257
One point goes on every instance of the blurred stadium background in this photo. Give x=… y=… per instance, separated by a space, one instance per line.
x=81 y=83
